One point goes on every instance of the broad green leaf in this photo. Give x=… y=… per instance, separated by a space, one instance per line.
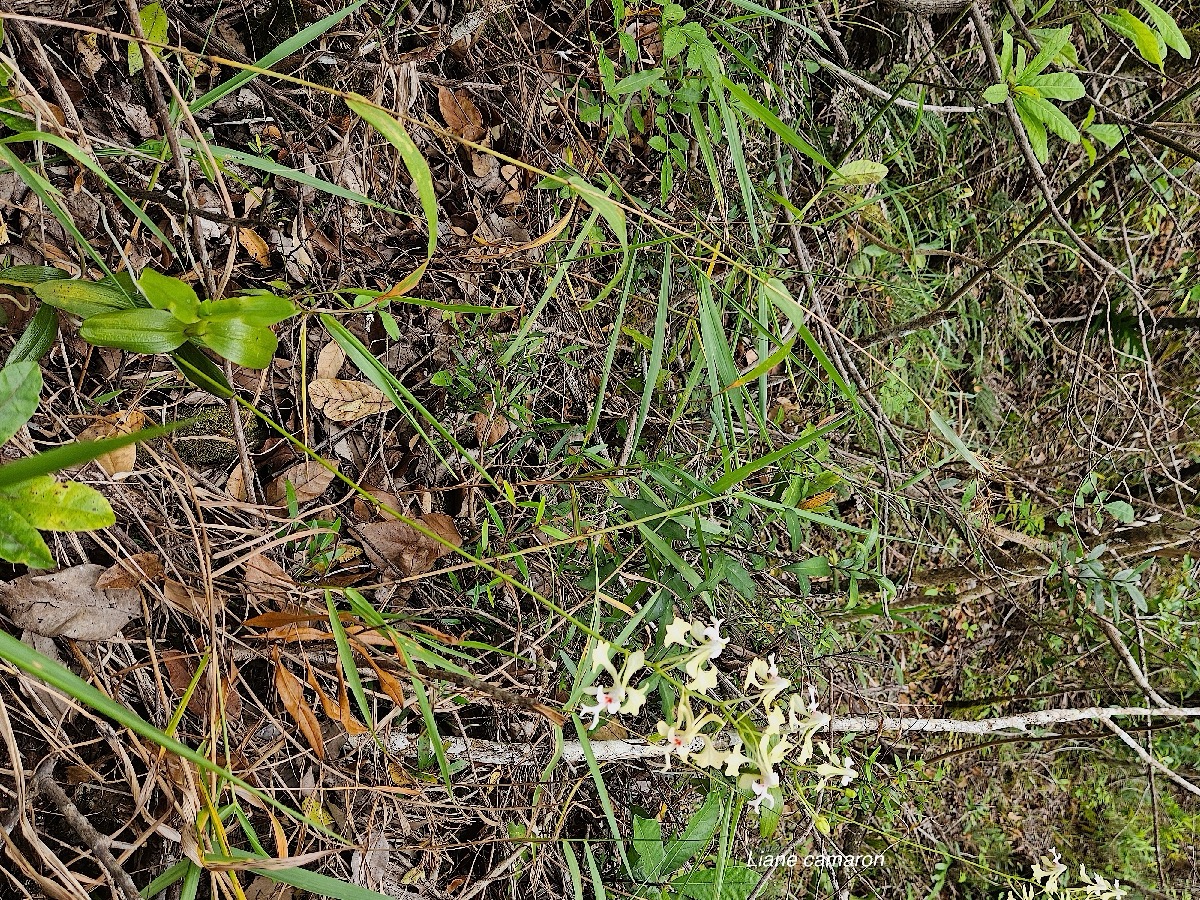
x=648 y=845
x=674 y=41
x=82 y=298
x=633 y=83
x=1006 y=53
x=696 y=837
x=37 y=338
x=154 y=27
x=1108 y=135
x=1145 y=38
x=52 y=505
x=20 y=390
x=261 y=309
x=957 y=442
x=997 y=93
x=1058 y=85
x=201 y=371
x=20 y=542
x=28 y=276
x=135 y=330
x=418 y=168
x=1167 y=28
x=1053 y=118
x=775 y=124
x=175 y=296
x=738 y=883
x=1034 y=129
x=1052 y=45
x=246 y=345
x=859 y=172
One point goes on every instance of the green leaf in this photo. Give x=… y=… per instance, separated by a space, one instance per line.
x=171 y=294
x=1058 y=86
x=614 y=215
x=135 y=330
x=781 y=297
x=696 y=837
x=1034 y=129
x=997 y=93
x=154 y=27
x=674 y=41
x=82 y=298
x=673 y=14
x=1121 y=511
x=20 y=390
x=346 y=657
x=1053 y=118
x=20 y=542
x=738 y=883
x=1108 y=135
x=52 y=505
x=201 y=371
x=29 y=276
x=859 y=172
x=1006 y=53
x=1052 y=44
x=1147 y=41
x=631 y=84
x=259 y=309
x=418 y=168
x=648 y=845
x=38 y=337
x=957 y=442
x=246 y=345
x=775 y=124
x=1167 y=28
x=74 y=454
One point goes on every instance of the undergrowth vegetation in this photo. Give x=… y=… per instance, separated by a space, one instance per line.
x=718 y=450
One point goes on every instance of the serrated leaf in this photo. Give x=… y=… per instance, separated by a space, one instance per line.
x=20 y=542
x=648 y=845
x=135 y=330
x=20 y=390
x=51 y=505
x=154 y=27
x=695 y=837
x=997 y=93
x=171 y=294
x=631 y=84
x=674 y=41
x=1167 y=28
x=1064 y=86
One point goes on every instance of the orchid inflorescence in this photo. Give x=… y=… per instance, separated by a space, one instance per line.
x=1047 y=873
x=747 y=753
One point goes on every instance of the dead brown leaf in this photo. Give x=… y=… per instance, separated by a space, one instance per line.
x=68 y=604
x=255 y=246
x=266 y=581
x=132 y=572
x=291 y=692
x=181 y=669
x=310 y=480
x=490 y=430
x=398 y=544
x=123 y=459
x=235 y=487
x=329 y=360
x=346 y=401
x=186 y=600
x=338 y=710
x=460 y=114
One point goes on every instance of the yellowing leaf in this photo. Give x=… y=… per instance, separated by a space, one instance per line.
x=154 y=27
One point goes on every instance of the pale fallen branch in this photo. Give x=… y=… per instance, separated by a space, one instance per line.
x=498 y=753
x=1144 y=756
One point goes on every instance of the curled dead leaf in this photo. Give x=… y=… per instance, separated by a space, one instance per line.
x=329 y=360
x=138 y=569
x=310 y=480
x=398 y=544
x=255 y=246
x=490 y=430
x=346 y=401
x=460 y=114
x=291 y=693
x=68 y=604
x=123 y=459
x=266 y=581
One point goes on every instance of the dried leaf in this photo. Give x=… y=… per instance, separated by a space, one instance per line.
x=338 y=710
x=255 y=246
x=291 y=692
x=266 y=581
x=346 y=401
x=181 y=670
x=123 y=459
x=329 y=360
x=310 y=480
x=398 y=544
x=132 y=572
x=369 y=866
x=388 y=683
x=186 y=600
x=490 y=430
x=235 y=487
x=460 y=114
x=68 y=604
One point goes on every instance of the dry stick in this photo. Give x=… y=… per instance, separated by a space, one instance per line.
x=44 y=783
x=876 y=91
x=1114 y=637
x=1147 y=758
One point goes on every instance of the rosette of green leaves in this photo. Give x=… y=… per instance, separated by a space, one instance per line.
x=160 y=314
x=1032 y=88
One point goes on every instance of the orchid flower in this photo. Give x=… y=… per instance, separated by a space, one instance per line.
x=765 y=675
